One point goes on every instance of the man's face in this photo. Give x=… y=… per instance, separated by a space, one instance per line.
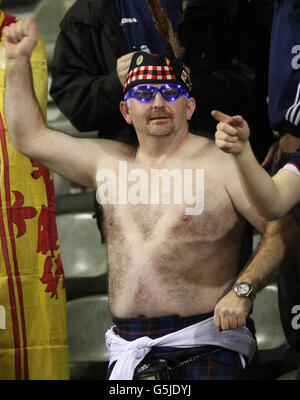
x=157 y=117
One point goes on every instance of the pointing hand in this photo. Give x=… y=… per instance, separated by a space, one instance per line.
x=232 y=132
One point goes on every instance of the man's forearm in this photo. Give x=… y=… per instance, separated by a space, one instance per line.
x=274 y=251
x=275 y=248
x=22 y=112
x=257 y=184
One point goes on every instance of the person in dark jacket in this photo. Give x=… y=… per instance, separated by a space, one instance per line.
x=227 y=49
x=92 y=56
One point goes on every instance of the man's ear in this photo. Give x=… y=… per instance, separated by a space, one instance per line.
x=124 y=108
x=190 y=107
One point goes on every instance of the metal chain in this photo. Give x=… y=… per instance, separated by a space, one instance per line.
x=196 y=357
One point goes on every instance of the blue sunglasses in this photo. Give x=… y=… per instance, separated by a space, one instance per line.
x=145 y=93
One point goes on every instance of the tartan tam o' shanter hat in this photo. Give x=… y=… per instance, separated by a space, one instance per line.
x=148 y=68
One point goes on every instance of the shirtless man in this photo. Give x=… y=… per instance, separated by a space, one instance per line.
x=168 y=269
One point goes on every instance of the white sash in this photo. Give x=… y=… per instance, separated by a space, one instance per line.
x=129 y=354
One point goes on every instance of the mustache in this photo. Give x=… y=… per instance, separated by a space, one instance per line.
x=158 y=114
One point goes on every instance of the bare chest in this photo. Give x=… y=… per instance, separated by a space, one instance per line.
x=209 y=218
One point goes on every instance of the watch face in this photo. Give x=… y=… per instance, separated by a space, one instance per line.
x=243 y=288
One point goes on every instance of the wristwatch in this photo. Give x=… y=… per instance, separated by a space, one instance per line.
x=244 y=289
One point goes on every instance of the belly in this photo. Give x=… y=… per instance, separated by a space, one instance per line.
x=159 y=281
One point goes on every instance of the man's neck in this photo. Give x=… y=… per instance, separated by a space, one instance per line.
x=156 y=149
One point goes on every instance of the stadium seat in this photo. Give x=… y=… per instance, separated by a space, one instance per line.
x=289 y=376
x=83 y=255
x=256 y=239
x=76 y=202
x=62 y=186
x=48 y=15
x=88 y=319
x=57 y=120
x=71 y=197
x=271 y=342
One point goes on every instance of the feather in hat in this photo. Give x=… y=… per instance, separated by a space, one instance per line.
x=164 y=27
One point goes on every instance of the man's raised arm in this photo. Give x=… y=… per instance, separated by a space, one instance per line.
x=23 y=116
x=72 y=157
x=272 y=197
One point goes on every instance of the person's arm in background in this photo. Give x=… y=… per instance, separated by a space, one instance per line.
x=85 y=67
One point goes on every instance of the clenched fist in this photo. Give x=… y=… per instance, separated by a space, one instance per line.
x=231 y=311
x=20 y=38
x=232 y=132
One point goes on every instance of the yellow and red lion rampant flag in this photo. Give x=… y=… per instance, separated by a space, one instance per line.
x=33 y=335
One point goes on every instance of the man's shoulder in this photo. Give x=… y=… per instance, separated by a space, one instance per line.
x=200 y=141
x=207 y=148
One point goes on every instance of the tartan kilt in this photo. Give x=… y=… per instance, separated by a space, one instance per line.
x=197 y=363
